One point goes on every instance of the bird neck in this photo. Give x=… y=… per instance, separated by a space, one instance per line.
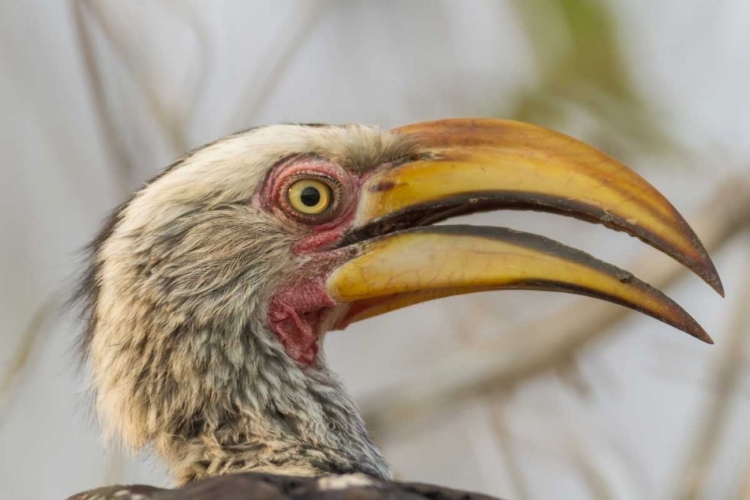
x=270 y=415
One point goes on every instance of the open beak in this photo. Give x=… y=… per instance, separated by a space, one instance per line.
x=462 y=166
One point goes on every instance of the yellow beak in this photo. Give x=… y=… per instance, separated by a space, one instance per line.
x=468 y=165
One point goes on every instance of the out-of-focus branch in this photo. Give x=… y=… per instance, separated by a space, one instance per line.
x=546 y=344
x=275 y=63
x=112 y=142
x=171 y=124
x=507 y=445
x=11 y=373
x=730 y=368
x=745 y=493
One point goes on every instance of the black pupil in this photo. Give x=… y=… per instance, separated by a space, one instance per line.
x=310 y=196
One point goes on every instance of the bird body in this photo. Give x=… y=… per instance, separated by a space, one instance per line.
x=209 y=292
x=257 y=486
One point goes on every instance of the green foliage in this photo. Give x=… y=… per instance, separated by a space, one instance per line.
x=583 y=75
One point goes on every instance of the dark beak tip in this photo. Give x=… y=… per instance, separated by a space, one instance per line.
x=695 y=330
x=716 y=283
x=703 y=337
x=709 y=274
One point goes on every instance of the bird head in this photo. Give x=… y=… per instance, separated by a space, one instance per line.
x=209 y=291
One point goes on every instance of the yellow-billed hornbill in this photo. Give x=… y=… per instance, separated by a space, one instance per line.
x=209 y=292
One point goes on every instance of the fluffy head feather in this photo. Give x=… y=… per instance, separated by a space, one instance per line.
x=176 y=299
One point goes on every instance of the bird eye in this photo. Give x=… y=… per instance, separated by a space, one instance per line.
x=310 y=196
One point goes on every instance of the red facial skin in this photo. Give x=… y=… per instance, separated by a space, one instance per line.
x=295 y=315
x=298 y=308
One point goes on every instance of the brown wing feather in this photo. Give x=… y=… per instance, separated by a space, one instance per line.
x=255 y=486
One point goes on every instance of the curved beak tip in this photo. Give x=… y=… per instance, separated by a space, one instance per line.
x=467 y=165
x=714 y=280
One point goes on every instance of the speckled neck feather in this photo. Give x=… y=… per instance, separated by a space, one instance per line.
x=268 y=416
x=176 y=301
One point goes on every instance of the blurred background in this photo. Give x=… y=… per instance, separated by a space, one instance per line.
x=517 y=394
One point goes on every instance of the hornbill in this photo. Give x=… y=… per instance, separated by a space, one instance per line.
x=209 y=292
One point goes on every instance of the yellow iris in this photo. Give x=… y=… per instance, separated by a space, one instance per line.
x=310 y=196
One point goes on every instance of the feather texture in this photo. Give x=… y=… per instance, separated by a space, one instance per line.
x=176 y=300
x=253 y=486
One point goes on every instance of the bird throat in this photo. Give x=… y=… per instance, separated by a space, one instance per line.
x=263 y=413
x=295 y=315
